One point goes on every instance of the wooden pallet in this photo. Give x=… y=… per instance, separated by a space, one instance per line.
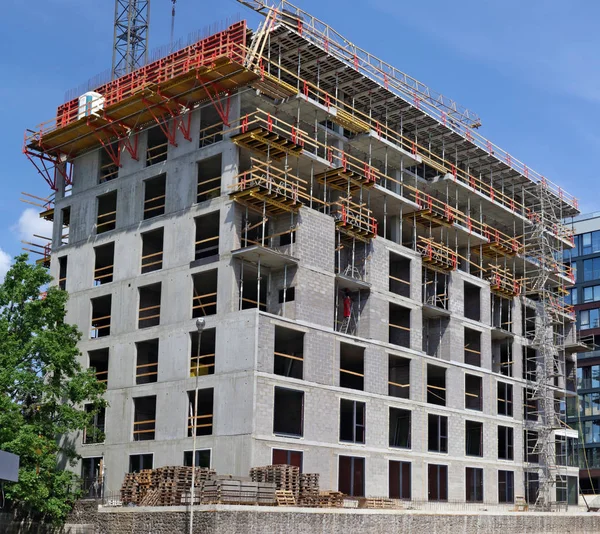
x=378 y=503
x=285 y=498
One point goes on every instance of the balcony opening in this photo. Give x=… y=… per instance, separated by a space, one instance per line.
x=104 y=266
x=472 y=301
x=501 y=313
x=529 y=364
x=202 y=418
x=140 y=462
x=399 y=275
x=98 y=360
x=529 y=322
x=352 y=421
x=435 y=288
x=108 y=170
x=287 y=457
x=288 y=412
x=107 y=213
x=352 y=366
x=530 y=405
x=473 y=393
x=398 y=377
x=502 y=356
x=505 y=399
x=506 y=487
x=505 y=443
x=289 y=352
x=211 y=126
x=474 y=484
x=399 y=325
x=472 y=347
x=437 y=433
x=207 y=236
x=65 y=222
x=436 y=385
x=400 y=423
x=209 y=178
x=531 y=447
x=144 y=418
x=158 y=145
x=202 y=458
x=152 y=250
x=434 y=329
x=149 y=312
x=155 y=196
x=94 y=432
x=399 y=480
x=473 y=438
x=250 y=287
x=62 y=272
x=101 y=316
x=532 y=487
x=146 y=369
x=203 y=363
x=351 y=476
x=91 y=477
x=204 y=300
x=437 y=481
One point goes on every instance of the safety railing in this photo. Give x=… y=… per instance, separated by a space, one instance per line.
x=230 y=44
x=106 y=221
x=272 y=180
x=103 y=275
x=155 y=206
x=447 y=112
x=146 y=370
x=100 y=326
x=503 y=282
x=152 y=262
x=204 y=304
x=437 y=255
x=353 y=164
x=354 y=217
x=202 y=365
x=143 y=430
x=157 y=154
x=149 y=316
x=200 y=422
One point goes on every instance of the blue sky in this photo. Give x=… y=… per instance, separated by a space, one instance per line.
x=529 y=69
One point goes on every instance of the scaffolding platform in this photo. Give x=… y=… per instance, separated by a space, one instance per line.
x=265 y=187
x=343 y=179
x=274 y=87
x=354 y=220
x=437 y=256
x=349 y=122
x=271 y=144
x=268 y=257
x=432 y=217
x=503 y=283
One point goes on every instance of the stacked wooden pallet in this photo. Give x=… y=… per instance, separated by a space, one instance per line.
x=240 y=490
x=309 y=489
x=377 y=503
x=165 y=486
x=331 y=499
x=285 y=477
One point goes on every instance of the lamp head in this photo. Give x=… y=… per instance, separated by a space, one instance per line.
x=200 y=324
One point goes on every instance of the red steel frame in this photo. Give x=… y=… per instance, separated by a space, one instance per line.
x=52 y=164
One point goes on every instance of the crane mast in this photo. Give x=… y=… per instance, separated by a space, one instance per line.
x=130 y=46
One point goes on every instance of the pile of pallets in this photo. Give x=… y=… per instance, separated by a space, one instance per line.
x=377 y=503
x=309 y=489
x=165 y=486
x=330 y=499
x=239 y=490
x=285 y=477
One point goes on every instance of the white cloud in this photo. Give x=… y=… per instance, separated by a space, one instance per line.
x=5 y=260
x=30 y=224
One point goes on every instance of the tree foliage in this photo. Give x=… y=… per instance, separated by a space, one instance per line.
x=42 y=391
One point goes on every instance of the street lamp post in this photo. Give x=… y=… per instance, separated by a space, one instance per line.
x=200 y=323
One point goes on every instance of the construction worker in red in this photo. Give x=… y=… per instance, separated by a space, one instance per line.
x=347 y=304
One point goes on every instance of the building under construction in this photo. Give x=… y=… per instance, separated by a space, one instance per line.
x=382 y=286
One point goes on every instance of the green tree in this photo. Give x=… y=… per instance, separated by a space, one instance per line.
x=42 y=391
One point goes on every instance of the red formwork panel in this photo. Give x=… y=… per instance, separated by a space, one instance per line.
x=230 y=43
